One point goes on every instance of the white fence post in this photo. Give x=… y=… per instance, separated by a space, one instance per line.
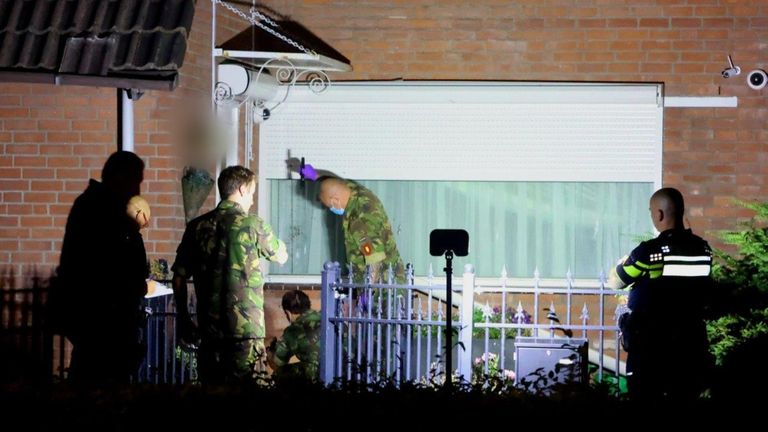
x=465 y=336
x=327 y=310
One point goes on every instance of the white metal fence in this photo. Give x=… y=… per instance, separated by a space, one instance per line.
x=385 y=331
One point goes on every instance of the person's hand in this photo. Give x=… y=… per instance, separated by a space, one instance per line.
x=281 y=256
x=614 y=281
x=138 y=210
x=308 y=172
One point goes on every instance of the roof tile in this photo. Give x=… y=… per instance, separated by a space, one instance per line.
x=95 y=37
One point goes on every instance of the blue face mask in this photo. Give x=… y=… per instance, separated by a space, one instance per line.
x=337 y=211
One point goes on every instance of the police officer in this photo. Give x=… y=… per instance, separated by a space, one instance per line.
x=368 y=237
x=667 y=345
x=301 y=339
x=221 y=250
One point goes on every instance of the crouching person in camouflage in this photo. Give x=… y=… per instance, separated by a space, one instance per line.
x=296 y=354
x=221 y=251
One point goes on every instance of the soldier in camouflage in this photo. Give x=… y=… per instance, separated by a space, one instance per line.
x=221 y=251
x=301 y=339
x=368 y=237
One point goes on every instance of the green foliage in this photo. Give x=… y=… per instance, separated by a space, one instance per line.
x=740 y=309
x=478 y=316
x=728 y=332
x=188 y=360
x=747 y=271
x=159 y=270
x=612 y=383
x=495 y=370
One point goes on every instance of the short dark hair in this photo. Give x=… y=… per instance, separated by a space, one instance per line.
x=121 y=165
x=231 y=178
x=673 y=201
x=296 y=302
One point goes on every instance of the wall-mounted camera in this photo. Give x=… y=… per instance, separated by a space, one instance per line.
x=757 y=79
x=260 y=112
x=731 y=70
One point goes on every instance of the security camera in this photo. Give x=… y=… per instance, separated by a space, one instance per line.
x=260 y=112
x=729 y=72
x=265 y=113
x=732 y=70
x=757 y=79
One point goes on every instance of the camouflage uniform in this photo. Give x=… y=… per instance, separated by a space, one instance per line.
x=221 y=250
x=300 y=339
x=368 y=237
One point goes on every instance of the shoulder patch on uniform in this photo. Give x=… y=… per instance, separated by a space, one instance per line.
x=366 y=248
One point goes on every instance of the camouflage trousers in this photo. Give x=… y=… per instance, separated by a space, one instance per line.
x=232 y=361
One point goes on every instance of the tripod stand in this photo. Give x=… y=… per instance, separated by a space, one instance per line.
x=448 y=242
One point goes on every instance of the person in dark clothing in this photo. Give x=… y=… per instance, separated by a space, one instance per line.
x=665 y=334
x=101 y=279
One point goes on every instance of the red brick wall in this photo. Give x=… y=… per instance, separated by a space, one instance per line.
x=54 y=138
x=712 y=155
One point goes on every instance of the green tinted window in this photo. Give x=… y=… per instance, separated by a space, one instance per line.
x=552 y=226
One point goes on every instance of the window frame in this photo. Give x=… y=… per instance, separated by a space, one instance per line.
x=493 y=95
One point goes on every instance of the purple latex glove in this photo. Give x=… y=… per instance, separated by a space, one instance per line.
x=308 y=172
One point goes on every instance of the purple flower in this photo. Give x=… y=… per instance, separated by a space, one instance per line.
x=523 y=317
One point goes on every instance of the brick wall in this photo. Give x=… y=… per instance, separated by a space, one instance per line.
x=54 y=138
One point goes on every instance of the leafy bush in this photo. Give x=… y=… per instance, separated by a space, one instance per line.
x=737 y=327
x=159 y=270
x=494 y=369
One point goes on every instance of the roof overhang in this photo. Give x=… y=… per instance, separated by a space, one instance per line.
x=256 y=47
x=92 y=81
x=300 y=61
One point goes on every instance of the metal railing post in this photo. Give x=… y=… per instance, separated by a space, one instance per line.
x=467 y=308
x=328 y=309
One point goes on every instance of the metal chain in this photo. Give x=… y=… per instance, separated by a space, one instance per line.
x=268 y=29
x=263 y=17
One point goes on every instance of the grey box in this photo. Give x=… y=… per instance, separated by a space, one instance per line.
x=541 y=362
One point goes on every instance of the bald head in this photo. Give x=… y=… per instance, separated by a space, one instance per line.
x=334 y=192
x=667 y=209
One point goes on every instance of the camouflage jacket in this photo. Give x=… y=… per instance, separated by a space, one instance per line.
x=221 y=250
x=368 y=236
x=300 y=339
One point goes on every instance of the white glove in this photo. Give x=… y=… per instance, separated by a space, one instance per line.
x=614 y=281
x=281 y=256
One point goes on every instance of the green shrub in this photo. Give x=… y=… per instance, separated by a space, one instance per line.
x=737 y=319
